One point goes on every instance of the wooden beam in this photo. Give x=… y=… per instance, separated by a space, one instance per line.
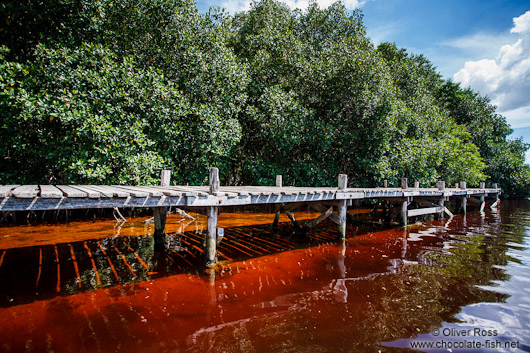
x=293 y=219
x=320 y=218
x=447 y=212
x=319 y=208
x=424 y=211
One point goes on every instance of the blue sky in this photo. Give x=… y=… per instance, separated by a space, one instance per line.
x=484 y=45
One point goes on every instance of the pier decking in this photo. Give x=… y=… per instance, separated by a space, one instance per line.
x=210 y=198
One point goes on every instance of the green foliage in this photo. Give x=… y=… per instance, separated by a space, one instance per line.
x=112 y=92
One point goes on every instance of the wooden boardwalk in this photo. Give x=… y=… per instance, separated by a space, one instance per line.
x=210 y=198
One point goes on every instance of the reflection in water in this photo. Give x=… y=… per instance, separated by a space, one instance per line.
x=378 y=291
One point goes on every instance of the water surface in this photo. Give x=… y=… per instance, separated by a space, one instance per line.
x=96 y=287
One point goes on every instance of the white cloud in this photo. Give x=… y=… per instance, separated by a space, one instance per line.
x=244 y=5
x=505 y=78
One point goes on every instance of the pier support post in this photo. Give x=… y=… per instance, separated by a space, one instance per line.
x=463 y=186
x=403 y=218
x=342 y=207
x=212 y=211
x=483 y=197
x=441 y=186
x=385 y=184
x=160 y=213
x=278 y=207
x=404 y=183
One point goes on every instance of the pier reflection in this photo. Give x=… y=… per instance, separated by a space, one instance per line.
x=273 y=291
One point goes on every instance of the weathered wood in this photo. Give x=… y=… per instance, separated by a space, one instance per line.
x=320 y=218
x=403 y=219
x=93 y=194
x=343 y=210
x=110 y=191
x=424 y=211
x=160 y=213
x=447 y=212
x=50 y=192
x=293 y=219
x=404 y=183
x=322 y=209
x=279 y=181
x=165 y=177
x=440 y=185
x=416 y=185
x=211 y=237
x=482 y=185
x=70 y=191
x=220 y=235
x=5 y=190
x=463 y=185
x=343 y=181
x=385 y=183
x=214 y=180
x=25 y=191
x=441 y=203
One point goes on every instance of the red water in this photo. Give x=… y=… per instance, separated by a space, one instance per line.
x=309 y=295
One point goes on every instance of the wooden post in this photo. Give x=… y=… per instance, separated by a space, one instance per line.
x=385 y=184
x=404 y=183
x=211 y=234
x=160 y=213
x=463 y=201
x=464 y=204
x=279 y=181
x=416 y=185
x=214 y=180
x=403 y=219
x=278 y=207
x=441 y=186
x=211 y=237
x=342 y=208
x=482 y=197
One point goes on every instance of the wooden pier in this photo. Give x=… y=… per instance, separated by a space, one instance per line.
x=331 y=202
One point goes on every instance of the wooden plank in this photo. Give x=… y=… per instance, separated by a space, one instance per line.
x=70 y=191
x=5 y=190
x=25 y=191
x=93 y=194
x=424 y=211
x=134 y=191
x=447 y=212
x=111 y=190
x=236 y=190
x=187 y=190
x=50 y=192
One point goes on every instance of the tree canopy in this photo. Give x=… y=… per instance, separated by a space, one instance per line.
x=113 y=91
